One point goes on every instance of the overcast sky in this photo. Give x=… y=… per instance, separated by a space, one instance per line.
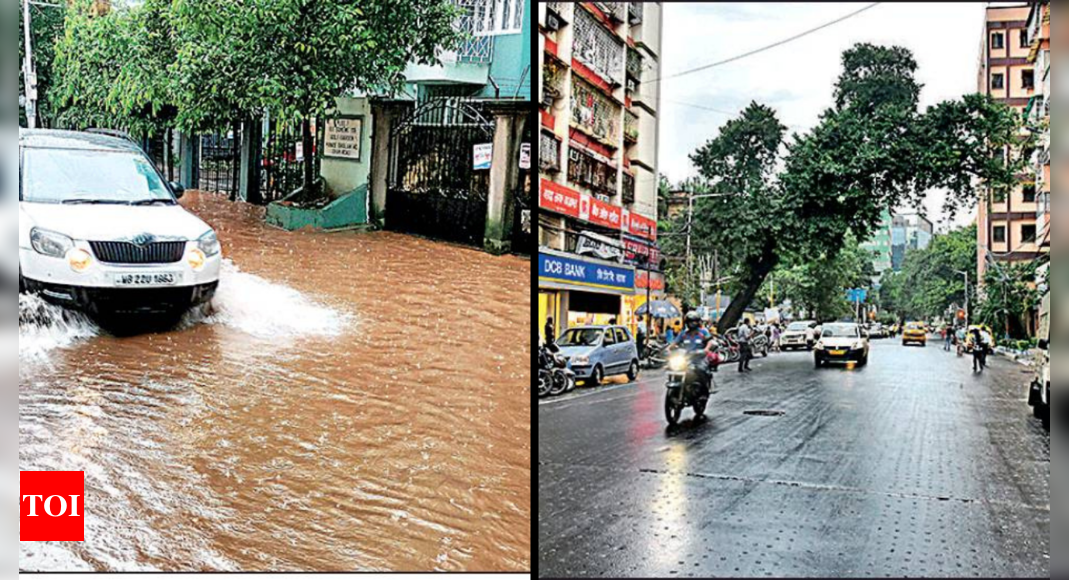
x=797 y=79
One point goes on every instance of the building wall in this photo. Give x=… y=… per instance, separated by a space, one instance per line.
x=511 y=67
x=1010 y=60
x=342 y=175
x=591 y=118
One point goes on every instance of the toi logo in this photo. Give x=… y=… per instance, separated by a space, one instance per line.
x=53 y=506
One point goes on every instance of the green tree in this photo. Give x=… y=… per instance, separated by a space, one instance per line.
x=1010 y=296
x=872 y=150
x=818 y=284
x=293 y=58
x=47 y=29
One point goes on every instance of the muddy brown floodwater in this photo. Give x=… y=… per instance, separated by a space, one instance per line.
x=353 y=402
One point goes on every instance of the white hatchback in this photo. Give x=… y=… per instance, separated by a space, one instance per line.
x=101 y=230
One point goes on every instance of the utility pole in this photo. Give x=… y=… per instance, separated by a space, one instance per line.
x=28 y=72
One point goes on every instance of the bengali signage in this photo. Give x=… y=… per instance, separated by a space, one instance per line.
x=641 y=226
x=656 y=285
x=342 y=138
x=574 y=271
x=484 y=156
x=634 y=249
x=563 y=200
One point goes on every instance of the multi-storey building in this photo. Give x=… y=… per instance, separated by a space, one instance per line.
x=1007 y=225
x=597 y=225
x=880 y=247
x=909 y=231
x=1038 y=111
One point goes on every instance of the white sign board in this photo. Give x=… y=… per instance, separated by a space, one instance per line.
x=484 y=155
x=342 y=138
x=525 y=156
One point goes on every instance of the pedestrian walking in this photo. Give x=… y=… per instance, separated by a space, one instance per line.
x=981 y=341
x=744 y=334
x=551 y=341
x=948 y=337
x=775 y=337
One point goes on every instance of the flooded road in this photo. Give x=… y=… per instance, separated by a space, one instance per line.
x=351 y=402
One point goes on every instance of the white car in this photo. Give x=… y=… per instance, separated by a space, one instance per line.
x=101 y=230
x=800 y=334
x=841 y=342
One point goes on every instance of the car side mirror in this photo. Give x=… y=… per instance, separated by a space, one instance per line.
x=178 y=190
x=1044 y=343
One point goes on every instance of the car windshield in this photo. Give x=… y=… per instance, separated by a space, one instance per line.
x=798 y=326
x=581 y=337
x=914 y=326
x=82 y=176
x=840 y=331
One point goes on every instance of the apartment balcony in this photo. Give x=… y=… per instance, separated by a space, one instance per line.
x=616 y=11
x=595 y=114
x=634 y=13
x=628 y=190
x=588 y=170
x=634 y=64
x=598 y=49
x=630 y=127
x=468 y=65
x=549 y=147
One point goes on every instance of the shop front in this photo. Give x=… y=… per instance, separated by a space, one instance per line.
x=576 y=290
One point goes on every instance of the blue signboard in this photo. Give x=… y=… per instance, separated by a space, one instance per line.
x=577 y=272
x=857 y=294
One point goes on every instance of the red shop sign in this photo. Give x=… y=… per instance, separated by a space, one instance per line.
x=641 y=226
x=559 y=199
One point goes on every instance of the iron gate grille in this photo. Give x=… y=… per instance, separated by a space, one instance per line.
x=435 y=190
x=282 y=169
x=522 y=236
x=220 y=161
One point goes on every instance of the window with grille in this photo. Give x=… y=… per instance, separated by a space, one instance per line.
x=594 y=112
x=1028 y=233
x=1000 y=234
x=628 y=189
x=548 y=153
x=587 y=170
x=597 y=48
x=495 y=17
x=997 y=81
x=997 y=40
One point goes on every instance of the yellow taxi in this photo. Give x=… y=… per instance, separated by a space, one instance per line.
x=915 y=332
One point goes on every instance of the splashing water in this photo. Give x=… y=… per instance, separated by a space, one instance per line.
x=244 y=302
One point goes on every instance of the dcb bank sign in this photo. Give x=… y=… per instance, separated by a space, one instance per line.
x=575 y=272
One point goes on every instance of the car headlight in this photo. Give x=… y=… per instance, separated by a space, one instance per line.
x=197 y=259
x=859 y=345
x=79 y=260
x=581 y=360
x=51 y=244
x=209 y=244
x=678 y=362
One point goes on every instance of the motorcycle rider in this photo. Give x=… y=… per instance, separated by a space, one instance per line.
x=694 y=338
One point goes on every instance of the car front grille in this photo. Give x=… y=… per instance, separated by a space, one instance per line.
x=127 y=253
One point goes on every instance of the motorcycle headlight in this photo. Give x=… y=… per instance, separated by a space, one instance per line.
x=209 y=244
x=50 y=244
x=678 y=363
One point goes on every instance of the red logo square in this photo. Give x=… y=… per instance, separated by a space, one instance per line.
x=53 y=506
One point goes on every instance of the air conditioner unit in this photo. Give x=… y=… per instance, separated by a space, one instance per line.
x=632 y=85
x=552 y=22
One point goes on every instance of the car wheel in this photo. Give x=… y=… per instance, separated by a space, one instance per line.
x=632 y=373
x=597 y=376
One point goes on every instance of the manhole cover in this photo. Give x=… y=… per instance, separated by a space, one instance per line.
x=764 y=413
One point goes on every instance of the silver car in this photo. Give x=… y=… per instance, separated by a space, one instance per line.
x=596 y=352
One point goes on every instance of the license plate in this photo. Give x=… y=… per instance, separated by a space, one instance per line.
x=838 y=352
x=145 y=279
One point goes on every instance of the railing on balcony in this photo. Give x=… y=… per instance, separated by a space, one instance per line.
x=553 y=79
x=478 y=49
x=548 y=153
x=628 y=189
x=614 y=10
x=634 y=64
x=630 y=127
x=587 y=170
x=594 y=113
x=634 y=12
x=598 y=49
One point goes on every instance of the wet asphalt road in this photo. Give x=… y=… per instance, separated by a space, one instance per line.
x=912 y=466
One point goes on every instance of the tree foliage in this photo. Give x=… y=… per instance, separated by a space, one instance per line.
x=818 y=285
x=872 y=150
x=930 y=281
x=47 y=28
x=1010 y=296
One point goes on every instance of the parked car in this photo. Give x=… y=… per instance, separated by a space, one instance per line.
x=1039 y=396
x=596 y=352
x=915 y=333
x=841 y=342
x=800 y=334
x=877 y=330
x=101 y=230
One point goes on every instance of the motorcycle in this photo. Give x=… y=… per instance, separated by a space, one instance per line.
x=729 y=350
x=554 y=375
x=656 y=355
x=760 y=345
x=684 y=387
